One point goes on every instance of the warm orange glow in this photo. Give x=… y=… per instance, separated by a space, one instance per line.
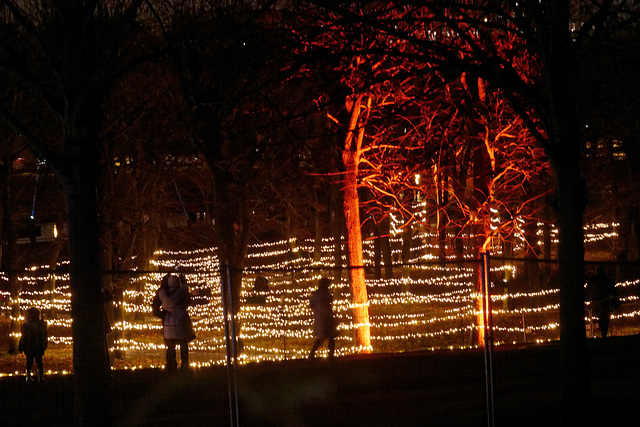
x=351 y=157
x=483 y=302
x=480 y=315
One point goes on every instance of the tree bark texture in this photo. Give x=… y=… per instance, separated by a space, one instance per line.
x=350 y=158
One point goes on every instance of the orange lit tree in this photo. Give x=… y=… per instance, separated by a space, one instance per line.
x=474 y=156
x=359 y=107
x=361 y=90
x=536 y=53
x=459 y=150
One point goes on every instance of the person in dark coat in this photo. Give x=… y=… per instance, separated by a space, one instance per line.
x=324 y=327
x=33 y=341
x=604 y=297
x=170 y=304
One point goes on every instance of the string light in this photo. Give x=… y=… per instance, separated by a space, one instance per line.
x=435 y=311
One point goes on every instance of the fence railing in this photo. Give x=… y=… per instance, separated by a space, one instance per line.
x=423 y=306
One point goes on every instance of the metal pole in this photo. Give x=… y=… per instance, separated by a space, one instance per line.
x=488 y=338
x=232 y=389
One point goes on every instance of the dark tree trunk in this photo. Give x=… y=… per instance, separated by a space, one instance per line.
x=377 y=253
x=77 y=47
x=565 y=154
x=385 y=247
x=9 y=254
x=546 y=232
x=317 y=242
x=407 y=245
x=232 y=228
x=570 y=191
x=442 y=194
x=337 y=221
x=90 y=362
x=531 y=265
x=53 y=265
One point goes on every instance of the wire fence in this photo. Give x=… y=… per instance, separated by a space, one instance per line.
x=421 y=306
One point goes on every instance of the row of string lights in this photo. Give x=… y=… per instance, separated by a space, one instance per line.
x=432 y=307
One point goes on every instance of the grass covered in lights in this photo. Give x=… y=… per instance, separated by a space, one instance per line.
x=434 y=308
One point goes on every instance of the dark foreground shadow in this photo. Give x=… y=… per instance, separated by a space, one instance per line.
x=444 y=388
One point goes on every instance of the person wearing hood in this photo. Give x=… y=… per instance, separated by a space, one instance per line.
x=170 y=304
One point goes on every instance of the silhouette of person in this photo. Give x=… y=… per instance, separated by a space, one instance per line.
x=170 y=304
x=324 y=327
x=107 y=321
x=604 y=297
x=33 y=341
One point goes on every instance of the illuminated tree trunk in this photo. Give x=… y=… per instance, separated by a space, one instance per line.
x=351 y=157
x=442 y=199
x=482 y=175
x=480 y=249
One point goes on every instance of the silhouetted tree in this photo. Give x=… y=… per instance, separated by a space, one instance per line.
x=231 y=63
x=67 y=55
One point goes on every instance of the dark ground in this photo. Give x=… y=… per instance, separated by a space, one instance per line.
x=409 y=389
